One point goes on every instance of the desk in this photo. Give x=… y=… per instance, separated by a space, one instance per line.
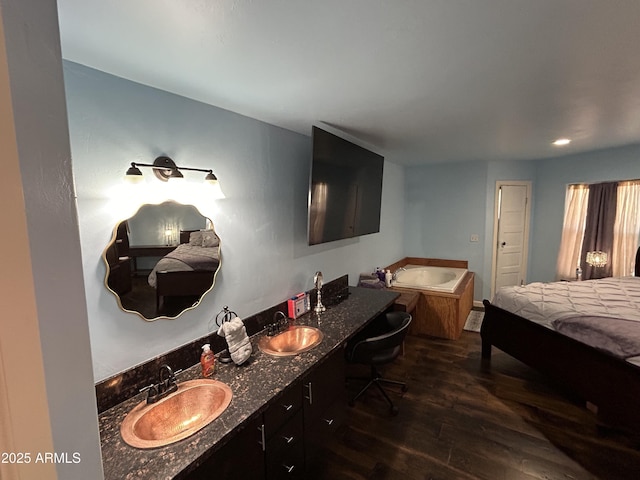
x=406 y=302
x=136 y=251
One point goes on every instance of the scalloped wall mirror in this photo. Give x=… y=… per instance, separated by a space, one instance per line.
x=162 y=260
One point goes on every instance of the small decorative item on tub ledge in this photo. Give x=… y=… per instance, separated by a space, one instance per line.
x=387 y=278
x=370 y=280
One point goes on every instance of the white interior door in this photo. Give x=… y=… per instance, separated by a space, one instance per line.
x=511 y=233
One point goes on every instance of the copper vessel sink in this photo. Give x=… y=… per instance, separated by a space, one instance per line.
x=194 y=405
x=293 y=341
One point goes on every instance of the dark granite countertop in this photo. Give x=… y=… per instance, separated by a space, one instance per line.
x=255 y=386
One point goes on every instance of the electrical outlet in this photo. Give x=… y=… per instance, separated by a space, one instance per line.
x=474 y=237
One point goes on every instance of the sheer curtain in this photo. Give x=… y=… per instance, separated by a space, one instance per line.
x=626 y=228
x=575 y=213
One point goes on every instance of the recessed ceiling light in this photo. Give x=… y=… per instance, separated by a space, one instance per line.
x=561 y=142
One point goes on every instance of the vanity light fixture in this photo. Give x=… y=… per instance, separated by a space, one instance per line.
x=165 y=169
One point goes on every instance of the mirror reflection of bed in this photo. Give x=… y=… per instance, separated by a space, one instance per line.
x=162 y=260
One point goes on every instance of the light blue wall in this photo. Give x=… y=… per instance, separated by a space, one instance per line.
x=446 y=203
x=553 y=176
x=264 y=172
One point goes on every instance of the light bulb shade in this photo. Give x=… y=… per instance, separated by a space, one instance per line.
x=133 y=175
x=597 y=258
x=211 y=178
x=175 y=174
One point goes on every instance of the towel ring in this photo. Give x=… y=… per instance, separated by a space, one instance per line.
x=224 y=316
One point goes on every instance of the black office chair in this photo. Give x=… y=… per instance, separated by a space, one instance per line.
x=379 y=344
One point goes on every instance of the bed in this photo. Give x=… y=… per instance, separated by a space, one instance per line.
x=606 y=375
x=189 y=270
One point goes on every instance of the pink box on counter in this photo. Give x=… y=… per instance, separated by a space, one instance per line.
x=298 y=305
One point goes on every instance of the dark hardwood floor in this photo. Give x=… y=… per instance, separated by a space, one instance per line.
x=465 y=419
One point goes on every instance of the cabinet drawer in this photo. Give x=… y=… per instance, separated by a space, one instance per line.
x=289 y=436
x=285 y=450
x=289 y=464
x=324 y=385
x=242 y=457
x=325 y=425
x=282 y=410
x=320 y=432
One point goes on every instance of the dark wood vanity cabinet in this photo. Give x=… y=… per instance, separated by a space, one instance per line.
x=242 y=457
x=283 y=431
x=287 y=440
x=296 y=448
x=325 y=408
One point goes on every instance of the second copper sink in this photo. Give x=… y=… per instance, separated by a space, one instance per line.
x=295 y=340
x=194 y=405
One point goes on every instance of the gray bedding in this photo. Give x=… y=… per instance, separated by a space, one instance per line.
x=187 y=258
x=616 y=336
x=603 y=313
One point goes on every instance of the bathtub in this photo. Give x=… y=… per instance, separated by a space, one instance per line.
x=441 y=279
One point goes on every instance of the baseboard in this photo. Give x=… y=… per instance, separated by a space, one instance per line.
x=478 y=305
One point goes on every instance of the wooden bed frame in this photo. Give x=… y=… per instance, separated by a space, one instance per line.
x=611 y=384
x=183 y=284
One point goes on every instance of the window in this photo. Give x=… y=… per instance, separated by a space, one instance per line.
x=624 y=231
x=626 y=228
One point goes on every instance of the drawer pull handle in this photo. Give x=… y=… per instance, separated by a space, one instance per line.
x=288 y=439
x=288 y=469
x=329 y=421
x=287 y=407
x=310 y=393
x=263 y=440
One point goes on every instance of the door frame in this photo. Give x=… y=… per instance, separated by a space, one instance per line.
x=525 y=244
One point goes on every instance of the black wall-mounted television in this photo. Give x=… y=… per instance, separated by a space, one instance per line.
x=345 y=192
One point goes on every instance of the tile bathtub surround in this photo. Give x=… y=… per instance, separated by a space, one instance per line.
x=122 y=386
x=255 y=385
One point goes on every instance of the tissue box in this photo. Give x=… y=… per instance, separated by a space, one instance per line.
x=298 y=305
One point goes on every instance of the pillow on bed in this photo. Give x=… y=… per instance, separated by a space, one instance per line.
x=195 y=239
x=209 y=239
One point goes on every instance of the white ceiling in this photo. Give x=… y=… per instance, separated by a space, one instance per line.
x=425 y=81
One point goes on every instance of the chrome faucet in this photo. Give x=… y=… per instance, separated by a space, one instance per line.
x=317 y=279
x=395 y=274
x=280 y=323
x=170 y=381
x=168 y=384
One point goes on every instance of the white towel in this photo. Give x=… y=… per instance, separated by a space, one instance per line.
x=239 y=344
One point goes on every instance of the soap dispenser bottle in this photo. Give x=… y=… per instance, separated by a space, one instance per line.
x=387 y=278
x=207 y=360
